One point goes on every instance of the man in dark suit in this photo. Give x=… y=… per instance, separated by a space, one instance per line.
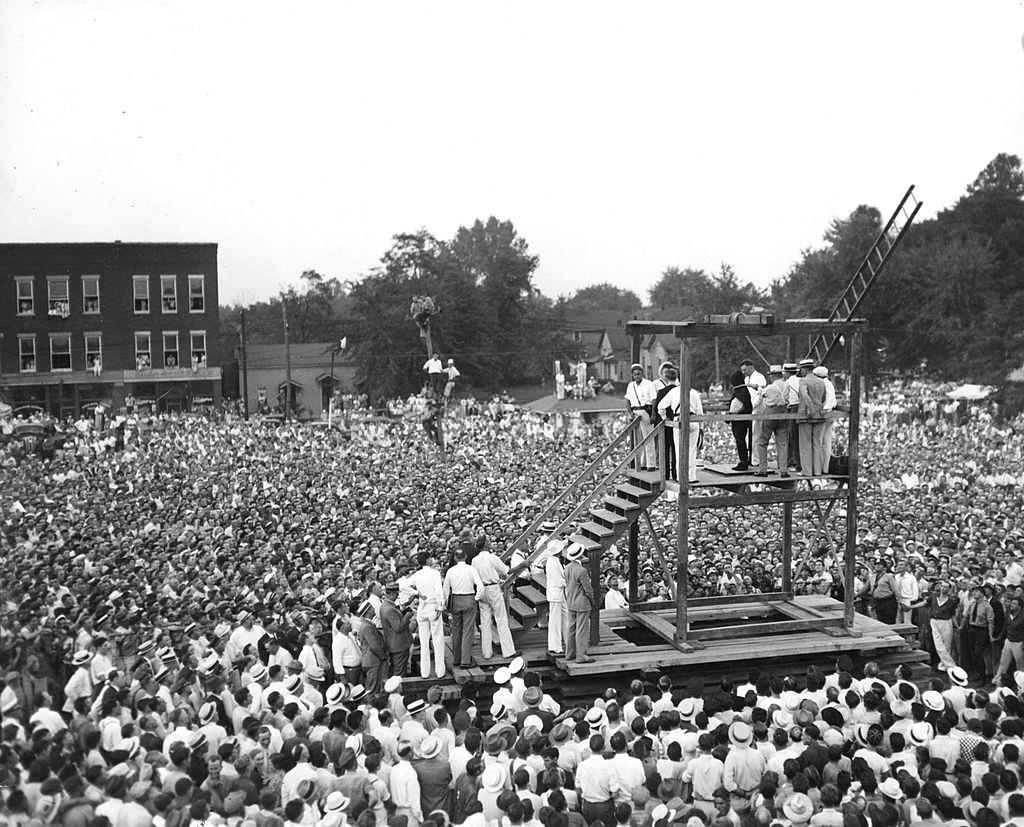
x=375 y=652
x=394 y=625
x=435 y=776
x=579 y=599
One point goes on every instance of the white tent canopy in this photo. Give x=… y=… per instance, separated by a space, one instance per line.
x=971 y=392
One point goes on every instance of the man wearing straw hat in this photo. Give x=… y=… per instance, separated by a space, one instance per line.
x=579 y=599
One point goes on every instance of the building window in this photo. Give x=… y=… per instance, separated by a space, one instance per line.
x=26 y=297
x=168 y=294
x=171 y=349
x=90 y=294
x=27 y=353
x=57 y=287
x=198 y=349
x=60 y=351
x=140 y=286
x=93 y=351
x=143 y=352
x=196 y=294
x=577 y=336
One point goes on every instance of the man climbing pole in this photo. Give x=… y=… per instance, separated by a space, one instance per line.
x=421 y=310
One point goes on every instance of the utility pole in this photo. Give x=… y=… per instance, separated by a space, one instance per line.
x=718 y=368
x=245 y=366
x=287 y=362
x=330 y=401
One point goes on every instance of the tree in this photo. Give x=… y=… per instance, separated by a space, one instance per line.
x=492 y=321
x=602 y=297
x=498 y=261
x=681 y=288
x=814 y=285
x=1001 y=175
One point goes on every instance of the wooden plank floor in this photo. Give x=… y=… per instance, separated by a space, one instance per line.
x=873 y=636
x=713 y=476
x=624 y=658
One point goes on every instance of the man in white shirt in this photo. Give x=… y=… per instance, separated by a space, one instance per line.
x=613 y=597
x=597 y=784
x=640 y=396
x=493 y=611
x=756 y=382
x=629 y=771
x=668 y=408
x=908 y=591
x=461 y=589
x=830 y=405
x=80 y=683
x=554 y=588
x=792 y=372
x=451 y=373
x=428 y=588
x=247 y=632
x=435 y=373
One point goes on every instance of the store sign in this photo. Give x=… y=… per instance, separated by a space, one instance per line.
x=185 y=374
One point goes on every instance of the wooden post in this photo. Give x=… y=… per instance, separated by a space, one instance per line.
x=851 y=484
x=595 y=610
x=683 y=474
x=634 y=537
x=787 y=548
x=287 y=362
x=245 y=366
x=634 y=351
x=634 y=562
x=440 y=420
x=718 y=368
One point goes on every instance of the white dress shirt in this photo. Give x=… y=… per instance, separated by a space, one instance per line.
x=490 y=568
x=428 y=586
x=640 y=394
x=463 y=579
x=596 y=780
x=405 y=788
x=554 y=588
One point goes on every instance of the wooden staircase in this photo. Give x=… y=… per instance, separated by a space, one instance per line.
x=627 y=498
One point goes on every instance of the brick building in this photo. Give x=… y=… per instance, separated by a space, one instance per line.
x=109 y=323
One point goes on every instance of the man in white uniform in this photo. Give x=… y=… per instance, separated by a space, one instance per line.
x=640 y=396
x=670 y=403
x=428 y=587
x=830 y=405
x=554 y=589
x=756 y=382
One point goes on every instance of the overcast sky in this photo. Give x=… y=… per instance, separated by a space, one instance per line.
x=619 y=138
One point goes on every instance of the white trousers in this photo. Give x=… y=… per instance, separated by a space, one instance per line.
x=494 y=612
x=650 y=450
x=694 y=441
x=558 y=619
x=755 y=433
x=942 y=637
x=431 y=628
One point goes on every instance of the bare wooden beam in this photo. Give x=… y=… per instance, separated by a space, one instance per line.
x=767 y=498
x=706 y=330
x=851 y=503
x=683 y=475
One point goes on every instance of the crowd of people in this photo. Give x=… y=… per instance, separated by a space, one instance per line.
x=211 y=623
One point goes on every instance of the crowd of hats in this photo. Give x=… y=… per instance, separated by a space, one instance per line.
x=136 y=553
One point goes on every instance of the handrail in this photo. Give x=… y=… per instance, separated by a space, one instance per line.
x=635 y=452
x=557 y=501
